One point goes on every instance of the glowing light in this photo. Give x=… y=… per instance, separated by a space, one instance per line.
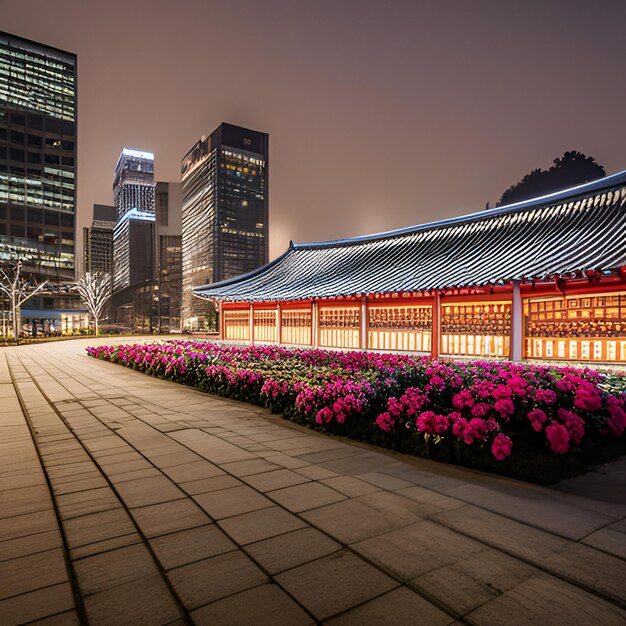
x=138 y=154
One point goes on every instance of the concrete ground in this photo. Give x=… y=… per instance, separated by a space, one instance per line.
x=130 y=500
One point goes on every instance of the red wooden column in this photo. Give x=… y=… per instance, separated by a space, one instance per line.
x=436 y=326
x=363 y=327
x=315 y=340
x=279 y=325
x=251 y=322
x=517 y=324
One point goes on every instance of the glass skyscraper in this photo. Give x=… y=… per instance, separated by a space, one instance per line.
x=133 y=187
x=37 y=158
x=98 y=240
x=225 y=211
x=134 y=239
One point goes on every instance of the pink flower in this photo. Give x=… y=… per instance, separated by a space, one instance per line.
x=481 y=409
x=558 y=438
x=424 y=422
x=502 y=391
x=587 y=399
x=385 y=422
x=545 y=395
x=617 y=419
x=458 y=426
x=324 y=415
x=394 y=407
x=479 y=428
x=537 y=418
x=437 y=382
x=573 y=423
x=505 y=407
x=440 y=424
x=462 y=399
x=501 y=447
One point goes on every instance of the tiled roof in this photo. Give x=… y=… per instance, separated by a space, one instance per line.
x=583 y=228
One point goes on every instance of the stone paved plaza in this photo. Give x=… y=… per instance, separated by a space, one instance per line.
x=131 y=500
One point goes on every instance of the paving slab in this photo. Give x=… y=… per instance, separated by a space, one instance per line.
x=306 y=496
x=37 y=605
x=232 y=501
x=396 y=608
x=545 y=600
x=266 y=604
x=211 y=579
x=291 y=549
x=159 y=519
x=261 y=524
x=467 y=583
x=335 y=583
x=120 y=605
x=188 y=546
x=103 y=571
x=31 y=544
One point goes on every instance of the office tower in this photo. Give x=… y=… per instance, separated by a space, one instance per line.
x=168 y=244
x=133 y=187
x=134 y=239
x=225 y=212
x=98 y=240
x=38 y=170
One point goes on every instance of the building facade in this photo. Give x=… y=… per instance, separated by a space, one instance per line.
x=98 y=240
x=168 y=248
x=133 y=186
x=38 y=170
x=134 y=269
x=225 y=212
x=134 y=257
x=543 y=279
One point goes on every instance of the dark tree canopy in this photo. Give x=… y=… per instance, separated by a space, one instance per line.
x=573 y=168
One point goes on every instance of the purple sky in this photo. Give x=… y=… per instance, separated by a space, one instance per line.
x=380 y=114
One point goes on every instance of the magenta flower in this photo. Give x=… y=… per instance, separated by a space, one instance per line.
x=501 y=447
x=505 y=407
x=617 y=418
x=537 y=418
x=481 y=409
x=545 y=395
x=558 y=438
x=385 y=422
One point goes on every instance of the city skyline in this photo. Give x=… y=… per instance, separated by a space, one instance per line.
x=426 y=120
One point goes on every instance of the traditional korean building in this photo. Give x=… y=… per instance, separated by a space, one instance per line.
x=540 y=279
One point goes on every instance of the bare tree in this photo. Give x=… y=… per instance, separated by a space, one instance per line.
x=94 y=291
x=18 y=290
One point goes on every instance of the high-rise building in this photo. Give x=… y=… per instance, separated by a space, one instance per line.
x=38 y=170
x=168 y=244
x=98 y=240
x=133 y=249
x=225 y=212
x=134 y=240
x=133 y=187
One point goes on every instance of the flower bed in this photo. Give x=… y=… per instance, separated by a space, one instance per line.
x=533 y=422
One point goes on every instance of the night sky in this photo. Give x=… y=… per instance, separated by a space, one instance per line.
x=381 y=114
